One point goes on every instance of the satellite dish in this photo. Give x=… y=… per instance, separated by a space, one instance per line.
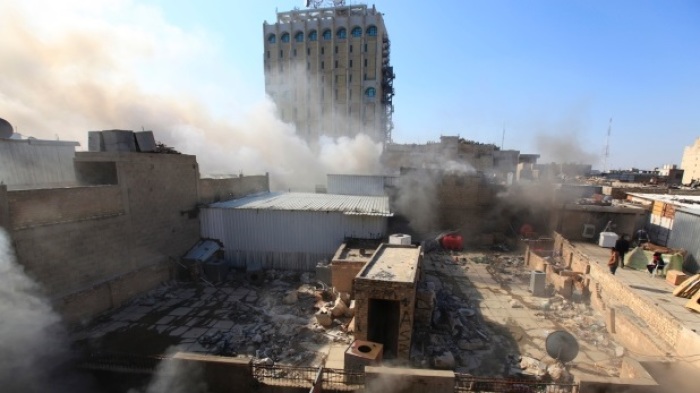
x=562 y=346
x=5 y=129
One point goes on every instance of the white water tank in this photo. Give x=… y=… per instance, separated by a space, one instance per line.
x=607 y=239
x=400 y=238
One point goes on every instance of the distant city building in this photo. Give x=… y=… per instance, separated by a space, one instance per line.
x=452 y=154
x=328 y=71
x=691 y=162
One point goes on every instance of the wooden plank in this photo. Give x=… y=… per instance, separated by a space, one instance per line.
x=685 y=285
x=694 y=302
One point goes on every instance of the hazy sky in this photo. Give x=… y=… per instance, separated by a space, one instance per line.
x=552 y=72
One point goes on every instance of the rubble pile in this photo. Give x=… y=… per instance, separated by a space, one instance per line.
x=275 y=319
x=446 y=323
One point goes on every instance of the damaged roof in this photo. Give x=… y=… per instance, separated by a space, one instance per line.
x=297 y=201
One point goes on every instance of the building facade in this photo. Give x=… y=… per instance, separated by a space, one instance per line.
x=691 y=162
x=328 y=71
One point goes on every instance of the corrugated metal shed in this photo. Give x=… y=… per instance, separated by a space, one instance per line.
x=685 y=235
x=292 y=231
x=372 y=185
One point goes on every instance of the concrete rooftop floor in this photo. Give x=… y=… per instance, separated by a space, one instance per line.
x=237 y=318
x=515 y=322
x=654 y=288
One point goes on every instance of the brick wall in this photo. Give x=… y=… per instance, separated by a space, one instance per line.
x=606 y=289
x=55 y=205
x=404 y=293
x=343 y=274
x=92 y=248
x=661 y=323
x=214 y=190
x=84 y=304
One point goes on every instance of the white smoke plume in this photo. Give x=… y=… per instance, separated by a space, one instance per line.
x=34 y=356
x=174 y=376
x=83 y=65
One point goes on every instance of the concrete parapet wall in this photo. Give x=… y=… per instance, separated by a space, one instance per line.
x=661 y=323
x=405 y=380
x=343 y=274
x=55 y=205
x=215 y=190
x=616 y=385
x=607 y=293
x=222 y=374
x=83 y=305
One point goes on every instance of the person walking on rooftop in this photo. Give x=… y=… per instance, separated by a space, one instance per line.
x=622 y=245
x=613 y=262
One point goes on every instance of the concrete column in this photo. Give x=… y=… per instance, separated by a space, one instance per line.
x=4 y=208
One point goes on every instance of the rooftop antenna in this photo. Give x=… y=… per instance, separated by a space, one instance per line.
x=503 y=137
x=607 y=148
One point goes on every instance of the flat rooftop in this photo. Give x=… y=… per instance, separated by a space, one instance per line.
x=655 y=290
x=356 y=251
x=298 y=201
x=392 y=262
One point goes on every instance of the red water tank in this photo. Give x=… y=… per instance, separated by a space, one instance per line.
x=452 y=242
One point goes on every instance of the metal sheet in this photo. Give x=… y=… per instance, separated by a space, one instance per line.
x=371 y=185
x=685 y=235
x=294 y=201
x=294 y=240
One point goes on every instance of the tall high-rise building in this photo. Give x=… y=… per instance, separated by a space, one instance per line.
x=690 y=162
x=328 y=71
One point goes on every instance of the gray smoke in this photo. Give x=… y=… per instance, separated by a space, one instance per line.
x=34 y=354
x=418 y=186
x=563 y=148
x=175 y=376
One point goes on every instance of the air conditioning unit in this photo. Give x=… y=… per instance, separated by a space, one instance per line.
x=588 y=231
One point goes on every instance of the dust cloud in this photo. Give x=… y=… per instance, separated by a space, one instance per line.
x=174 y=376
x=34 y=354
x=417 y=198
x=559 y=142
x=85 y=66
x=387 y=384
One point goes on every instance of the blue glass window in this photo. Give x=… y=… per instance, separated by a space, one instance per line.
x=371 y=92
x=285 y=37
x=356 y=31
x=299 y=37
x=327 y=35
x=342 y=33
x=372 y=31
x=313 y=35
x=272 y=39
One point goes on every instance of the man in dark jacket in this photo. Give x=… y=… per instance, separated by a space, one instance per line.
x=622 y=245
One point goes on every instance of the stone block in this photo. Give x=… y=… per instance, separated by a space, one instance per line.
x=675 y=277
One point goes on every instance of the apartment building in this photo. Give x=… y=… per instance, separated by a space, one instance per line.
x=329 y=73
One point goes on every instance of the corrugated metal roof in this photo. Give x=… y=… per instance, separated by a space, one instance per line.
x=687 y=201
x=295 y=201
